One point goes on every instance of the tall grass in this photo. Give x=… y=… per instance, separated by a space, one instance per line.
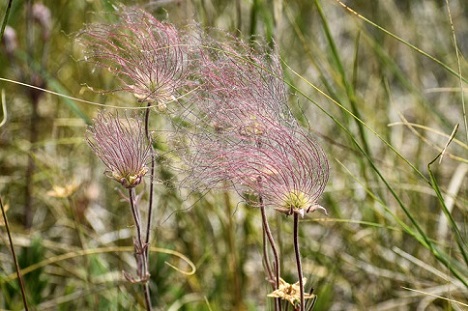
x=381 y=83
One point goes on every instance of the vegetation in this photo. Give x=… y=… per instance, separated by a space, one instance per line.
x=379 y=84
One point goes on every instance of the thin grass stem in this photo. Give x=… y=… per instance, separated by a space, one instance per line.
x=457 y=54
x=462 y=245
x=15 y=259
x=266 y=229
x=233 y=257
x=33 y=136
x=5 y=19
x=4 y=109
x=407 y=43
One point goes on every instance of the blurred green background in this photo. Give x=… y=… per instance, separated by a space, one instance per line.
x=380 y=86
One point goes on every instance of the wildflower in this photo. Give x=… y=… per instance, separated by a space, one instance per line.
x=302 y=172
x=144 y=53
x=122 y=146
x=290 y=292
x=248 y=136
x=286 y=167
x=63 y=191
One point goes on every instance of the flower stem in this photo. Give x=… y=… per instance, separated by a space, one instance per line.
x=136 y=215
x=298 y=259
x=150 y=201
x=140 y=250
x=267 y=259
x=147 y=296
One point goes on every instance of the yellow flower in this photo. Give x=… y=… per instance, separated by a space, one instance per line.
x=290 y=292
x=63 y=192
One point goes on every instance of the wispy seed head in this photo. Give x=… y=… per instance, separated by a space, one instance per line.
x=121 y=144
x=144 y=53
x=286 y=167
x=241 y=87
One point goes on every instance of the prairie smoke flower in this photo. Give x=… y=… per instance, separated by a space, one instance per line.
x=295 y=171
x=122 y=146
x=248 y=135
x=286 y=167
x=144 y=53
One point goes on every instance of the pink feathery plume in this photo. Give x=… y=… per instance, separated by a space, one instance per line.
x=240 y=86
x=146 y=55
x=286 y=167
x=247 y=136
x=121 y=144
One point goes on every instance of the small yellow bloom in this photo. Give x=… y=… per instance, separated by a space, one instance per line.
x=63 y=192
x=290 y=292
x=296 y=200
x=300 y=203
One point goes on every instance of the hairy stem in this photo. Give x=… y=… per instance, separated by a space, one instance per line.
x=136 y=215
x=298 y=259
x=140 y=250
x=150 y=203
x=153 y=160
x=147 y=296
x=266 y=259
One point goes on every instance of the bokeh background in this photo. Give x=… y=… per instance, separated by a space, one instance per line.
x=380 y=84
